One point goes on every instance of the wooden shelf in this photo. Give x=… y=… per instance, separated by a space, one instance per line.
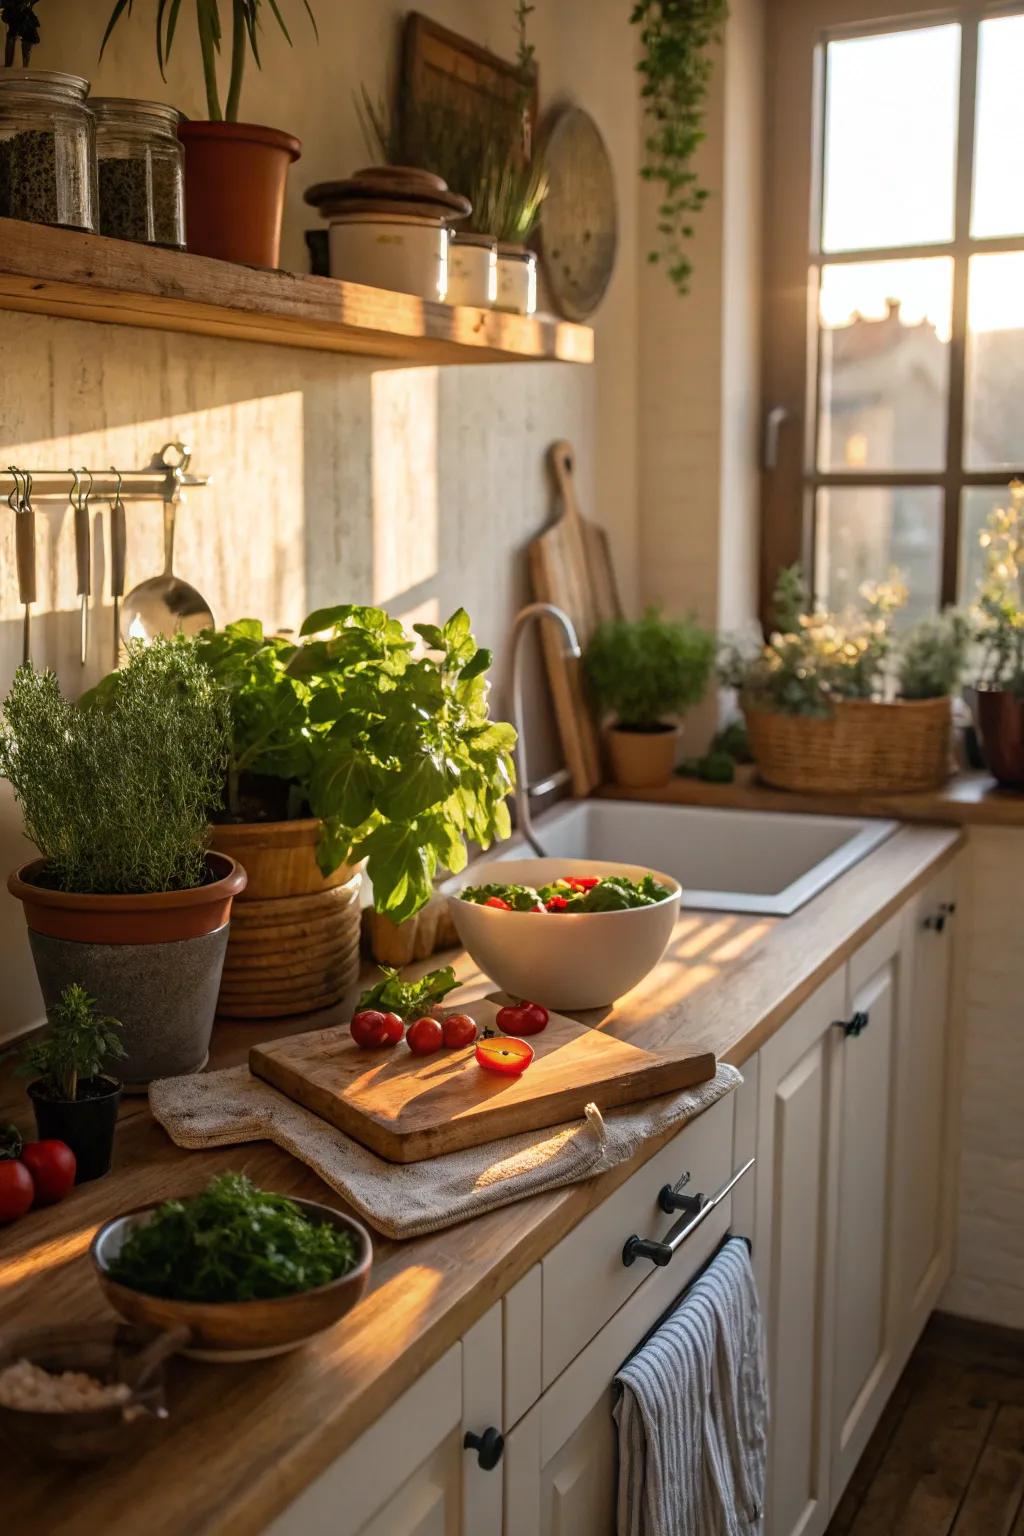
x=86 y=277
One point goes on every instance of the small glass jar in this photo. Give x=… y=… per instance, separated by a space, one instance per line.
x=141 y=171
x=47 y=149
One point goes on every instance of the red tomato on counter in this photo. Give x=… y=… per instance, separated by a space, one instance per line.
x=424 y=1036
x=16 y=1189
x=499 y=1053
x=370 y=1029
x=51 y=1166
x=459 y=1029
x=522 y=1018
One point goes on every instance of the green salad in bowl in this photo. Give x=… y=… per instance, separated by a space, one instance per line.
x=570 y=893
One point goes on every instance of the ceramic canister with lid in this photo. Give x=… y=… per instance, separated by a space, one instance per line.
x=472 y=270
x=47 y=149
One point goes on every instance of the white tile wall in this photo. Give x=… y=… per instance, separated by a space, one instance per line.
x=988 y=1276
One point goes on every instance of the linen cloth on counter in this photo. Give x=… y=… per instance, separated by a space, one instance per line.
x=219 y=1109
x=693 y=1413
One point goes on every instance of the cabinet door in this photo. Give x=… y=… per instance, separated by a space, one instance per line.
x=865 y=1326
x=925 y=1173
x=795 y=1211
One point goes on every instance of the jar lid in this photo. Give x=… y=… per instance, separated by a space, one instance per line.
x=125 y=109
x=44 y=82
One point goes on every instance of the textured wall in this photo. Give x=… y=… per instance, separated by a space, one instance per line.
x=335 y=478
x=988 y=1277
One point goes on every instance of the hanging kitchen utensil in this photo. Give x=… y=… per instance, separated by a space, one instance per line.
x=20 y=502
x=165 y=605
x=79 y=498
x=118 y=553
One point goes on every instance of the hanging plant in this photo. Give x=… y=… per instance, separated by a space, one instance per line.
x=21 y=24
x=677 y=64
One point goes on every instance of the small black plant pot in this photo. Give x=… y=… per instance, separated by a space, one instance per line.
x=86 y=1124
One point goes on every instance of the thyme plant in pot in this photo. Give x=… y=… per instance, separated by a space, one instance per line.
x=115 y=792
x=74 y=1096
x=346 y=747
x=997 y=699
x=235 y=172
x=642 y=671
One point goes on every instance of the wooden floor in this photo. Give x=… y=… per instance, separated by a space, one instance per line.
x=947 y=1458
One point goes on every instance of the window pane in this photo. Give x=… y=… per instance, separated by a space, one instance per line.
x=995 y=362
x=998 y=207
x=976 y=502
x=890 y=139
x=865 y=532
x=884 y=364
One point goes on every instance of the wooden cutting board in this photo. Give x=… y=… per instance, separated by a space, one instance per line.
x=570 y=566
x=406 y=1108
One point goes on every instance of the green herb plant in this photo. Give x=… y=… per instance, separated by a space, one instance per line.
x=933 y=655
x=394 y=752
x=232 y=1242
x=245 y=39
x=645 y=669
x=116 y=791
x=999 y=609
x=80 y=1044
x=676 y=65
x=409 y=999
x=812 y=657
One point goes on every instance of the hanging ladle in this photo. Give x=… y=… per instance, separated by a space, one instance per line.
x=164 y=605
x=20 y=502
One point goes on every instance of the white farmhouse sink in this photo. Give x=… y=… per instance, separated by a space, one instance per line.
x=763 y=862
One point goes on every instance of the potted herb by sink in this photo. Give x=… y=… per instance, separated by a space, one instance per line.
x=346 y=746
x=235 y=172
x=643 y=670
x=73 y=1095
x=997 y=700
x=116 y=792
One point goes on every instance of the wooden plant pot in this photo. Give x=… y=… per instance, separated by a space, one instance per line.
x=235 y=177
x=999 y=721
x=294 y=944
x=643 y=759
x=152 y=961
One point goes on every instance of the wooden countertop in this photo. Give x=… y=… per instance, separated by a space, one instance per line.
x=243 y=1440
x=967 y=799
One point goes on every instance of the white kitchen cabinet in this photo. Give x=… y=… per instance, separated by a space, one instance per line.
x=410 y=1473
x=795 y=1207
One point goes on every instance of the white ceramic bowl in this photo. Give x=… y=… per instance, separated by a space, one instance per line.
x=571 y=960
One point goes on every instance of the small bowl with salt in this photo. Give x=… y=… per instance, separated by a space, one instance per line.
x=82 y=1393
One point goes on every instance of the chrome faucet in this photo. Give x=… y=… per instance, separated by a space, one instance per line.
x=524 y=789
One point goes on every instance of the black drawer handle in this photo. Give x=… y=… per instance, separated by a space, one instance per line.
x=663 y=1253
x=936 y=921
x=851 y=1028
x=488 y=1446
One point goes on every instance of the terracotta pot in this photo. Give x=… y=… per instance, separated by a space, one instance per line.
x=152 y=961
x=235 y=175
x=294 y=945
x=999 y=719
x=643 y=759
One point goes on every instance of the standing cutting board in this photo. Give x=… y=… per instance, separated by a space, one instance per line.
x=406 y=1108
x=570 y=566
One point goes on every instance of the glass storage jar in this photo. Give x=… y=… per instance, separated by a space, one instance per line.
x=47 y=149
x=141 y=171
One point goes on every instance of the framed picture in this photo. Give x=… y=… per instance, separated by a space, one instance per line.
x=439 y=65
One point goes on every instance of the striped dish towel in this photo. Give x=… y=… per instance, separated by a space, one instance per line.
x=693 y=1412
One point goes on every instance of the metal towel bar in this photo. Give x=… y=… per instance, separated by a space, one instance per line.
x=662 y=1253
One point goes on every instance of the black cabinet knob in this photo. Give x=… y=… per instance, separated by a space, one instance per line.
x=851 y=1028
x=488 y=1446
x=670 y=1199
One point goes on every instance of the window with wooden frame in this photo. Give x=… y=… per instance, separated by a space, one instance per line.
x=894 y=304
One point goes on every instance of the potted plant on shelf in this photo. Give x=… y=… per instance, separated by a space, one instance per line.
x=125 y=899
x=235 y=172
x=345 y=747
x=642 y=671
x=74 y=1097
x=815 y=696
x=997 y=699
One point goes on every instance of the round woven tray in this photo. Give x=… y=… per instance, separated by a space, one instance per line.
x=895 y=747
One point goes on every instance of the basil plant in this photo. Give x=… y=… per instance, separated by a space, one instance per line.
x=393 y=750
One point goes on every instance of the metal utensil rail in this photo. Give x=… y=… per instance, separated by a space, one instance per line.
x=164 y=479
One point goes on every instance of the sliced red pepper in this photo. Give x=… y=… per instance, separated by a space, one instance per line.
x=557 y=904
x=496 y=901
x=582 y=882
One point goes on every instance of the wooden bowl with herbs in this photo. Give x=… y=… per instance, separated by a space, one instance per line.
x=249 y=1273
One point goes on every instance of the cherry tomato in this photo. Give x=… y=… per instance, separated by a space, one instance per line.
x=370 y=1029
x=522 y=1018
x=496 y=901
x=394 y=1029
x=582 y=882
x=16 y=1189
x=51 y=1165
x=424 y=1036
x=557 y=904
x=459 y=1029
x=498 y=1053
